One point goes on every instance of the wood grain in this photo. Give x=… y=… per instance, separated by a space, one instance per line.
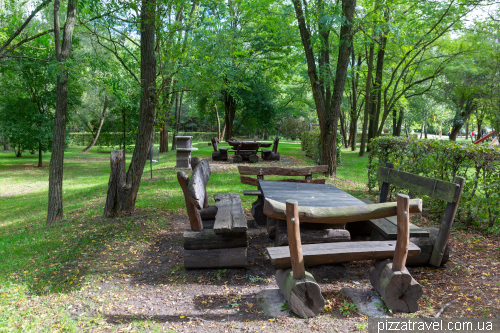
x=340 y=215
x=403 y=216
x=246 y=170
x=208 y=239
x=295 y=245
x=334 y=253
x=193 y=212
x=196 y=189
x=216 y=258
x=255 y=182
x=230 y=215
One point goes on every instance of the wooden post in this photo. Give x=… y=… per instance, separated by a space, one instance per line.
x=384 y=190
x=446 y=224
x=295 y=246
x=193 y=212
x=300 y=289
x=403 y=240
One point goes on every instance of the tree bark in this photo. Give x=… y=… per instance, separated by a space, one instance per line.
x=218 y=122
x=55 y=206
x=146 y=115
x=368 y=101
x=96 y=136
x=230 y=111
x=40 y=164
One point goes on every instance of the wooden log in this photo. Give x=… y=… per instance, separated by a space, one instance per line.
x=237 y=159
x=208 y=213
x=197 y=187
x=255 y=182
x=434 y=188
x=247 y=170
x=253 y=158
x=313 y=236
x=215 y=258
x=403 y=240
x=208 y=239
x=230 y=215
x=257 y=211
x=303 y=296
x=398 y=288
x=295 y=246
x=446 y=224
x=117 y=189
x=193 y=212
x=426 y=245
x=335 y=253
x=339 y=215
x=253 y=193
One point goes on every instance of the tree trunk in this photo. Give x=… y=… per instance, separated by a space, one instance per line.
x=176 y=128
x=368 y=101
x=40 y=154
x=146 y=115
x=230 y=111
x=55 y=206
x=400 y=122
x=166 y=106
x=218 y=122
x=96 y=136
x=354 y=108
x=124 y=121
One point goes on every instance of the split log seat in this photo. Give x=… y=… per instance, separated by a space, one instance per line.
x=335 y=253
x=217 y=236
x=260 y=172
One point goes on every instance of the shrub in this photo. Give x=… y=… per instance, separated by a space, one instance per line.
x=311 y=143
x=292 y=128
x=440 y=159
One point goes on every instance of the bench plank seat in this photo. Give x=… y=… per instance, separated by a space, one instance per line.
x=255 y=181
x=334 y=253
x=252 y=192
x=230 y=215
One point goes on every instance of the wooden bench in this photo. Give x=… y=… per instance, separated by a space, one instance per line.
x=246 y=151
x=260 y=172
x=433 y=242
x=390 y=278
x=271 y=154
x=219 y=154
x=217 y=234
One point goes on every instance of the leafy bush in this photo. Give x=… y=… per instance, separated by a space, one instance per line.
x=311 y=144
x=478 y=164
x=292 y=128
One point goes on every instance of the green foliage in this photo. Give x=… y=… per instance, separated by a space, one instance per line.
x=441 y=159
x=311 y=143
x=347 y=308
x=293 y=127
x=383 y=306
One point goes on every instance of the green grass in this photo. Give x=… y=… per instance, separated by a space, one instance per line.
x=42 y=264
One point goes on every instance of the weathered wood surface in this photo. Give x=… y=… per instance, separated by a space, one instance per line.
x=307 y=194
x=252 y=192
x=340 y=215
x=208 y=213
x=230 y=215
x=426 y=245
x=434 y=188
x=398 y=288
x=303 y=295
x=384 y=188
x=197 y=186
x=117 y=191
x=253 y=158
x=215 y=258
x=334 y=253
x=446 y=224
x=313 y=236
x=403 y=239
x=295 y=245
x=193 y=212
x=277 y=171
x=387 y=227
x=247 y=170
x=255 y=182
x=257 y=211
x=208 y=239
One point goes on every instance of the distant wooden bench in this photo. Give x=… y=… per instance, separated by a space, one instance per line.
x=260 y=172
x=433 y=242
x=217 y=234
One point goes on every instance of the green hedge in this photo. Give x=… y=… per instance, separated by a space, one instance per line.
x=115 y=139
x=412 y=136
x=310 y=142
x=441 y=159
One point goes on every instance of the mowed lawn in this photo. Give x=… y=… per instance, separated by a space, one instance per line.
x=38 y=261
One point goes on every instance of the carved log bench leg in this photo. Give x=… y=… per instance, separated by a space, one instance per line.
x=300 y=289
x=391 y=278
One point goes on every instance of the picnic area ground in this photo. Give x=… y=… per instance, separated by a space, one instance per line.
x=125 y=274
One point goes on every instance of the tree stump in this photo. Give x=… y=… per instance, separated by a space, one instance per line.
x=253 y=158
x=237 y=159
x=117 y=187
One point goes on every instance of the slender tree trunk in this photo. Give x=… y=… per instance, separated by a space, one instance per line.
x=466 y=131
x=229 y=113
x=96 y=136
x=223 y=131
x=354 y=107
x=368 y=101
x=146 y=117
x=218 y=121
x=176 y=127
x=400 y=122
x=124 y=121
x=40 y=150
x=55 y=206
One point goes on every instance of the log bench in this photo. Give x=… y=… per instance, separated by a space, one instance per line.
x=389 y=277
x=216 y=237
x=432 y=241
x=260 y=172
